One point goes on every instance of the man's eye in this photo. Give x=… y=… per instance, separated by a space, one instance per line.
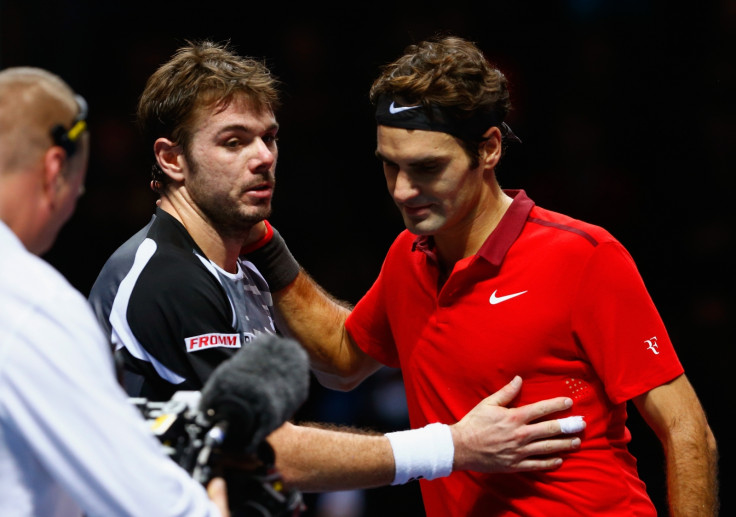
x=428 y=168
x=233 y=142
x=270 y=139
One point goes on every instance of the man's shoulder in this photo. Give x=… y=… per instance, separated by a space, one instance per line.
x=174 y=278
x=31 y=288
x=162 y=245
x=28 y=277
x=570 y=226
x=126 y=251
x=168 y=291
x=120 y=261
x=157 y=267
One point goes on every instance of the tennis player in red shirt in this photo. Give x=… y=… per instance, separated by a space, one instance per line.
x=484 y=285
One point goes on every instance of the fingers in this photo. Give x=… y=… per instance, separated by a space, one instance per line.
x=494 y=438
x=550 y=447
x=540 y=455
x=549 y=428
x=571 y=424
x=543 y=408
x=506 y=394
x=539 y=409
x=528 y=465
x=217 y=491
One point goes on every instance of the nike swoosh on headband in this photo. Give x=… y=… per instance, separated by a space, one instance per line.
x=393 y=109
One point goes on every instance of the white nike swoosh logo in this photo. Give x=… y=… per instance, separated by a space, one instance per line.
x=498 y=299
x=394 y=109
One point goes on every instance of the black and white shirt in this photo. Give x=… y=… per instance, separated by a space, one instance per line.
x=172 y=314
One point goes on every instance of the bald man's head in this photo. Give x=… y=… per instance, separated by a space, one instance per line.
x=32 y=102
x=44 y=148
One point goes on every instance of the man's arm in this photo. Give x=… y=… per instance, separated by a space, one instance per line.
x=309 y=313
x=317 y=320
x=305 y=311
x=490 y=438
x=675 y=414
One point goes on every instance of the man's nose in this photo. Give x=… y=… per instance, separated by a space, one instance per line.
x=404 y=188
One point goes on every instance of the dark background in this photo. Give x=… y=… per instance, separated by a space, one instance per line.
x=625 y=108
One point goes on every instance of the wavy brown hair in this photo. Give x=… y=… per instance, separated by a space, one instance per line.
x=200 y=74
x=450 y=72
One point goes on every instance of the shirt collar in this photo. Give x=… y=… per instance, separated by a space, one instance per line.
x=9 y=238
x=501 y=238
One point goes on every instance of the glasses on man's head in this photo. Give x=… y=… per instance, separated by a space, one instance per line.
x=68 y=138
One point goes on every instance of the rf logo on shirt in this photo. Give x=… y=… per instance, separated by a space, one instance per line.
x=652 y=345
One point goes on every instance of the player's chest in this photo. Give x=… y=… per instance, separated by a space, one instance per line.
x=511 y=317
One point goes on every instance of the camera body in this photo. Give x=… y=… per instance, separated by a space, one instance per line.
x=197 y=444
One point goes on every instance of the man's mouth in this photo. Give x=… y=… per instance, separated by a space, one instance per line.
x=262 y=191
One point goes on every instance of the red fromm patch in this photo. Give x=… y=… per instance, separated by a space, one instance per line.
x=205 y=341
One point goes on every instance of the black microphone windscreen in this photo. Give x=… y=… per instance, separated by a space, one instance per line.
x=258 y=389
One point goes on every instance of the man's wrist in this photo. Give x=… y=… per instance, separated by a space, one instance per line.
x=273 y=260
x=425 y=453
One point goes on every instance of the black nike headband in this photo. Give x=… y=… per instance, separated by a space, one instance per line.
x=438 y=118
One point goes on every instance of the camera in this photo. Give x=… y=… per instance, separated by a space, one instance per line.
x=204 y=449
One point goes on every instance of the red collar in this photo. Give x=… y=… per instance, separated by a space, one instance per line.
x=500 y=240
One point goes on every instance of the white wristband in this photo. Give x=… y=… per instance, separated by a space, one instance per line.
x=426 y=453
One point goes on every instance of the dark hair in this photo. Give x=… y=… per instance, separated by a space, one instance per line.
x=199 y=74
x=450 y=72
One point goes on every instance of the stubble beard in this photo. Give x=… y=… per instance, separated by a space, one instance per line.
x=228 y=216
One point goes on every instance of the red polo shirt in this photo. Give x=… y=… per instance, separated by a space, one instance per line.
x=555 y=300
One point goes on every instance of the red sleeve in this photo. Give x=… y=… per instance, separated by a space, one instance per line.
x=368 y=324
x=619 y=327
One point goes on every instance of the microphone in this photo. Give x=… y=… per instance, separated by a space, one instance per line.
x=255 y=391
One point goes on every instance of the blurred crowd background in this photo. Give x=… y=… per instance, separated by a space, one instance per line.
x=625 y=108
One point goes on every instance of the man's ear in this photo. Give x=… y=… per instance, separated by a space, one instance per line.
x=491 y=148
x=54 y=164
x=169 y=157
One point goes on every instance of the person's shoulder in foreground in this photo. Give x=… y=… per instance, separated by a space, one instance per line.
x=70 y=442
